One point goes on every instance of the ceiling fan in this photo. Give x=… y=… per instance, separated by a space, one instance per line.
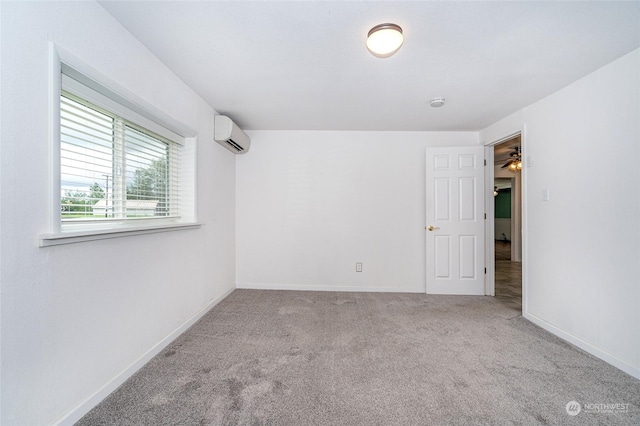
x=515 y=162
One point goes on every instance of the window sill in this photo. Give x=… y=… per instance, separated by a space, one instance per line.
x=47 y=240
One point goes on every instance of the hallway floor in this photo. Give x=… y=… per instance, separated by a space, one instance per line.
x=508 y=277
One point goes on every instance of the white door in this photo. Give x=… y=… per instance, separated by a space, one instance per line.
x=455 y=220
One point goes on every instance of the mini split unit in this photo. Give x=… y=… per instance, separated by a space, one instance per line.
x=228 y=134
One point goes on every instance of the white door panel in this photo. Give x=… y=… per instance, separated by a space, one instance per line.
x=455 y=220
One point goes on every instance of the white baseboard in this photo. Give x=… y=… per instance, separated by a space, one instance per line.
x=259 y=286
x=85 y=406
x=597 y=352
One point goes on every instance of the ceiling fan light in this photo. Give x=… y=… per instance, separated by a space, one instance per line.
x=384 y=40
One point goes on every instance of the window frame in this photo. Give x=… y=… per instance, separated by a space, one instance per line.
x=70 y=74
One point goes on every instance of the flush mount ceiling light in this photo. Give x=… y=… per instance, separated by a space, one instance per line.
x=384 y=40
x=437 y=102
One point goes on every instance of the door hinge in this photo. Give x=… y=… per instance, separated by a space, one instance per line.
x=485 y=270
x=485 y=216
x=485 y=161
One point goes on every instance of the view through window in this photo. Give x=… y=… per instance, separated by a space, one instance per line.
x=112 y=169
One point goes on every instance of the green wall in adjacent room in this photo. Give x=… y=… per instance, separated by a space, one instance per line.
x=503 y=204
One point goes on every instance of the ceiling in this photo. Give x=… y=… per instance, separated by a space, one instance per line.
x=303 y=65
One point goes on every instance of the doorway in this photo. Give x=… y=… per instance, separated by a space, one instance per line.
x=507 y=160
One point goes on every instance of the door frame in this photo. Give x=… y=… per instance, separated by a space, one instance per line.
x=490 y=277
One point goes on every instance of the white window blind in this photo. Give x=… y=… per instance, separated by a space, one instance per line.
x=112 y=170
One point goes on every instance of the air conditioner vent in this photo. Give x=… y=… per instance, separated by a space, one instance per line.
x=229 y=135
x=234 y=145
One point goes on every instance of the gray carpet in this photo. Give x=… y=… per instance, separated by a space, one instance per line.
x=318 y=358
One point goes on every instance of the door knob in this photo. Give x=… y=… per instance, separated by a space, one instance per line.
x=432 y=228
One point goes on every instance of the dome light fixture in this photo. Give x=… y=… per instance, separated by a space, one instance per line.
x=384 y=40
x=437 y=102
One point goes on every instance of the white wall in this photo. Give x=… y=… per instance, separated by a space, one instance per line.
x=502 y=229
x=78 y=316
x=582 y=253
x=312 y=204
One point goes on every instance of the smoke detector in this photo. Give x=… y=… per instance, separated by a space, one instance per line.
x=437 y=102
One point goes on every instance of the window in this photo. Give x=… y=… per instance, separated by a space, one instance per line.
x=112 y=169
x=121 y=167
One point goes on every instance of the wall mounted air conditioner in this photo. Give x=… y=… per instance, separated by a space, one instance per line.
x=228 y=134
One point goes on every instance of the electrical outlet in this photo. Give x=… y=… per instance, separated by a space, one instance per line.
x=358 y=266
